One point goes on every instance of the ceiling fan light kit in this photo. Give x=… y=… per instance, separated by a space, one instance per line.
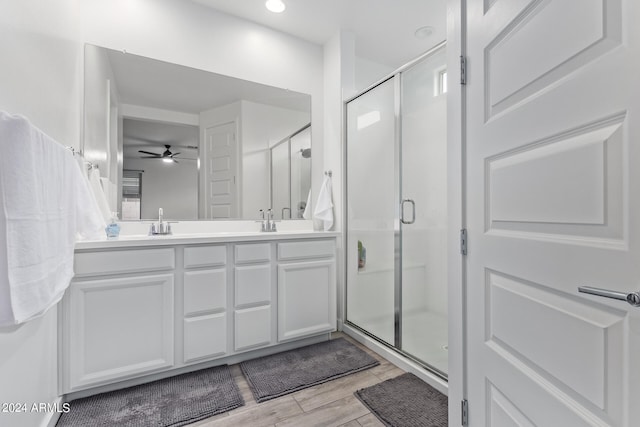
x=167 y=156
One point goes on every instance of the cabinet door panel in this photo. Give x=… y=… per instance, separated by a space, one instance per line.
x=253 y=285
x=120 y=328
x=253 y=327
x=204 y=256
x=253 y=252
x=306 y=298
x=205 y=337
x=205 y=290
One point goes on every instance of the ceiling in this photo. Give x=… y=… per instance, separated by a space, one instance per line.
x=158 y=84
x=383 y=29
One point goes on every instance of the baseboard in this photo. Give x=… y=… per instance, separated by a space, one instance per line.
x=397 y=359
x=51 y=418
x=227 y=360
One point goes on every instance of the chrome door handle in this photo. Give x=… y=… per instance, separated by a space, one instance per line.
x=632 y=298
x=413 y=211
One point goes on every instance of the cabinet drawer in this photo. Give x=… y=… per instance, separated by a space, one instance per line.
x=205 y=256
x=205 y=290
x=205 y=337
x=302 y=250
x=254 y=252
x=126 y=261
x=253 y=327
x=253 y=285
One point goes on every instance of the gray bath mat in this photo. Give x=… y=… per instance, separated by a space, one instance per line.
x=282 y=373
x=406 y=401
x=174 y=401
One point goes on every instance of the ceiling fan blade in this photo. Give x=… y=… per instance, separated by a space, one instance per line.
x=150 y=157
x=175 y=154
x=148 y=152
x=175 y=161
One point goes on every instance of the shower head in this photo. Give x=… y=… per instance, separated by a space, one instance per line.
x=306 y=153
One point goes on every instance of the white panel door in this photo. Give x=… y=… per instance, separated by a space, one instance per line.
x=553 y=203
x=221 y=171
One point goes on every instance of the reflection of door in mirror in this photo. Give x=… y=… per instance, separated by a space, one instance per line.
x=219 y=155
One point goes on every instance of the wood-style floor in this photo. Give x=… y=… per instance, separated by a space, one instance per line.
x=328 y=404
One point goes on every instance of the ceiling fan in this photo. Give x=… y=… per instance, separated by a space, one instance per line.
x=167 y=156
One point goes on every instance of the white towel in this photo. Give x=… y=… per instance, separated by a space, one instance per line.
x=307 y=208
x=99 y=194
x=45 y=203
x=324 y=205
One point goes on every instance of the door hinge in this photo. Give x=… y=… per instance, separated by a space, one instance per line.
x=463 y=70
x=463 y=241
x=465 y=412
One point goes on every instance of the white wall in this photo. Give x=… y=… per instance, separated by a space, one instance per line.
x=339 y=84
x=368 y=72
x=170 y=186
x=42 y=80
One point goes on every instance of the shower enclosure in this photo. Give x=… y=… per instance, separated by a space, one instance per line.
x=290 y=161
x=397 y=211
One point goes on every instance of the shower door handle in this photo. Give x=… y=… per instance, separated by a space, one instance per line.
x=413 y=211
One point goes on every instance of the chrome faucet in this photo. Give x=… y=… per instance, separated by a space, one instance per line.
x=263 y=225
x=163 y=228
x=268 y=224
x=271 y=224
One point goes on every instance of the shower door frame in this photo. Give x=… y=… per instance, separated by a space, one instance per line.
x=396 y=76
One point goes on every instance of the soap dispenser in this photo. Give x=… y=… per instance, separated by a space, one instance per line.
x=113 y=229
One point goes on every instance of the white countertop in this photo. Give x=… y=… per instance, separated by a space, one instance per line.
x=133 y=234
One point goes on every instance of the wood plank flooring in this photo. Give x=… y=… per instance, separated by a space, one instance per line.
x=328 y=404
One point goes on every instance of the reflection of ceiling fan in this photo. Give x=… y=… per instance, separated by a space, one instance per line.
x=167 y=156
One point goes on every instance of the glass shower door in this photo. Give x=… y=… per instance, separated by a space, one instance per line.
x=372 y=223
x=424 y=244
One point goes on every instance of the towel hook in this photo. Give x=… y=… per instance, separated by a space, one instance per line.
x=328 y=173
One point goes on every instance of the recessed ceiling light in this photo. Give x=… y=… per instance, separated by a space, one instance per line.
x=275 y=6
x=423 y=32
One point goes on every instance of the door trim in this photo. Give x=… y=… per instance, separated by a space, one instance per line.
x=456 y=193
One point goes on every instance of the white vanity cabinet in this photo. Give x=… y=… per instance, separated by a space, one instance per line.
x=306 y=288
x=168 y=306
x=118 y=319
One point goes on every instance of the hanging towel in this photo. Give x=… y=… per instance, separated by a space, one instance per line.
x=324 y=205
x=99 y=194
x=307 y=208
x=45 y=204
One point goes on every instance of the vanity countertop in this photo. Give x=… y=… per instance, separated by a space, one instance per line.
x=192 y=233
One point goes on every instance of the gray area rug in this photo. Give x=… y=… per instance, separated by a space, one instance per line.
x=283 y=373
x=174 y=401
x=406 y=401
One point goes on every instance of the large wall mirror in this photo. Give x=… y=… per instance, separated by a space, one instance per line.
x=199 y=145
